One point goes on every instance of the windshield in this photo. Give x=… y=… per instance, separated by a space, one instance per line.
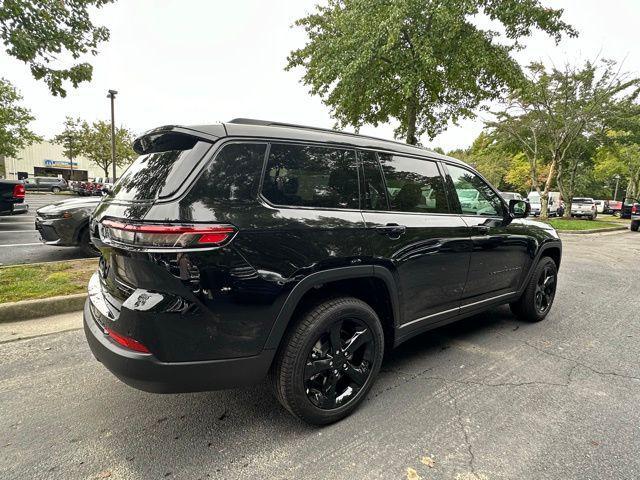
x=508 y=195
x=534 y=197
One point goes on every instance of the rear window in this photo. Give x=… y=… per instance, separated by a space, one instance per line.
x=583 y=200
x=159 y=174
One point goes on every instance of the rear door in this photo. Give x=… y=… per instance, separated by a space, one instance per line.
x=415 y=234
x=501 y=247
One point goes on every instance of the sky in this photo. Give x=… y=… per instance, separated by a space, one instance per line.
x=194 y=62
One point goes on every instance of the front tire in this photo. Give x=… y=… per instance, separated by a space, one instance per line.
x=55 y=190
x=329 y=360
x=537 y=299
x=86 y=246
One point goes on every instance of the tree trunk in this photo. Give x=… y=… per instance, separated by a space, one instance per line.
x=544 y=197
x=411 y=121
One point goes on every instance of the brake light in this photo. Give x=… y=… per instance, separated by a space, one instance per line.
x=165 y=236
x=18 y=191
x=127 y=342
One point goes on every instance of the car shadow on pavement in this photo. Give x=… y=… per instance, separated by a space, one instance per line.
x=216 y=427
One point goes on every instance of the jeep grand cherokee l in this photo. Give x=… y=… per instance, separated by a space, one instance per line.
x=248 y=249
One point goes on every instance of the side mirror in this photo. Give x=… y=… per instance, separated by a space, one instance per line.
x=519 y=208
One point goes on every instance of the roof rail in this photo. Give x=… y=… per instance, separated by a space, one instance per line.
x=269 y=123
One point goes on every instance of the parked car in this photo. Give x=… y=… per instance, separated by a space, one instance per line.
x=66 y=224
x=635 y=216
x=554 y=202
x=584 y=207
x=615 y=207
x=607 y=207
x=511 y=196
x=248 y=249
x=12 y=195
x=600 y=205
x=628 y=205
x=46 y=184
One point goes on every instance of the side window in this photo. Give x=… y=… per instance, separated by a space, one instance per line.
x=374 y=191
x=234 y=174
x=414 y=185
x=309 y=176
x=474 y=195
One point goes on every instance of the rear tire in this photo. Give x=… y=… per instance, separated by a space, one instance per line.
x=55 y=190
x=537 y=298
x=634 y=226
x=329 y=360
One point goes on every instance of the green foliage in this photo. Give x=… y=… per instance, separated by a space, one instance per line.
x=556 y=115
x=41 y=32
x=96 y=145
x=423 y=64
x=71 y=138
x=14 y=121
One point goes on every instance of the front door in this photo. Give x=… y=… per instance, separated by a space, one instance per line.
x=414 y=233
x=501 y=247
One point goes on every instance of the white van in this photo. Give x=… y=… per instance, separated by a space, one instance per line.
x=554 y=203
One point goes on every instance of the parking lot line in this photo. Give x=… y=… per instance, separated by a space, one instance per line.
x=17 y=231
x=22 y=245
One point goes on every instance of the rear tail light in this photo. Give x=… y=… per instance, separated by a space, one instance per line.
x=127 y=342
x=18 y=191
x=165 y=237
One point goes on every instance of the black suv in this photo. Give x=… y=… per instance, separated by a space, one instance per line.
x=235 y=251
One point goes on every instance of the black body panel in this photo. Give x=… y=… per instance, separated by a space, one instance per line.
x=215 y=306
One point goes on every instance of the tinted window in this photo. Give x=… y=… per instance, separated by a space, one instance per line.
x=474 y=195
x=233 y=174
x=374 y=191
x=159 y=173
x=414 y=185
x=583 y=200
x=300 y=175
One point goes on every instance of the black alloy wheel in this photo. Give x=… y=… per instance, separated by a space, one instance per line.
x=328 y=360
x=545 y=290
x=535 y=302
x=339 y=363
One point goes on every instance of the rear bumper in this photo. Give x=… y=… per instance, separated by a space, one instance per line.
x=144 y=372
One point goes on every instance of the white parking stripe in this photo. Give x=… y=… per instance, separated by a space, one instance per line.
x=17 y=231
x=22 y=245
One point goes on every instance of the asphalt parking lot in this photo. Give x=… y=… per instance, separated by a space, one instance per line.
x=488 y=398
x=20 y=242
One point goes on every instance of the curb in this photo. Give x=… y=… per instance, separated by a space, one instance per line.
x=41 y=307
x=595 y=230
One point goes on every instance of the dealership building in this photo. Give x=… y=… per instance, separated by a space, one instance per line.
x=46 y=159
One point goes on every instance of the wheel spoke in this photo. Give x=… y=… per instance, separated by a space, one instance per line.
x=315 y=367
x=328 y=397
x=359 y=338
x=358 y=374
x=335 y=339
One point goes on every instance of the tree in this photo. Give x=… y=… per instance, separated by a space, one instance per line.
x=619 y=158
x=96 y=145
x=14 y=121
x=71 y=139
x=551 y=110
x=423 y=64
x=42 y=33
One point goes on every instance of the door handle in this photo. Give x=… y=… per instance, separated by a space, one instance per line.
x=391 y=229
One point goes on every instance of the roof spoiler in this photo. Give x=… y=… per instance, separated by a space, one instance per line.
x=159 y=139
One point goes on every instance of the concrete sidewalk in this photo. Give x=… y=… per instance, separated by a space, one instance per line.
x=12 y=331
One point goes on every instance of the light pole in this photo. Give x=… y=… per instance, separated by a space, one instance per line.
x=112 y=96
x=615 y=193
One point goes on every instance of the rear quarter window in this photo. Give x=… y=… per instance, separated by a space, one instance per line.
x=232 y=175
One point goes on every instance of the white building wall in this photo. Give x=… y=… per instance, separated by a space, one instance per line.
x=36 y=154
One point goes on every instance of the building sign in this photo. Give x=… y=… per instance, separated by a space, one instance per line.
x=59 y=163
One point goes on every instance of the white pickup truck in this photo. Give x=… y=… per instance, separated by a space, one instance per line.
x=584 y=207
